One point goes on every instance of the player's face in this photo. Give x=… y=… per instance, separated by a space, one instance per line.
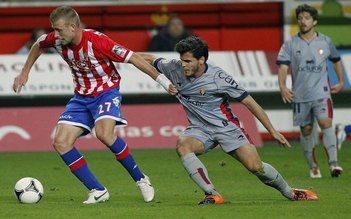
x=64 y=31
x=305 y=22
x=192 y=67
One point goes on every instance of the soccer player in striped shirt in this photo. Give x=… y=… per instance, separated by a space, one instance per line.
x=96 y=102
x=204 y=90
x=307 y=54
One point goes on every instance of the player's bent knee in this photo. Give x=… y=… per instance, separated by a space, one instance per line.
x=182 y=149
x=254 y=167
x=61 y=146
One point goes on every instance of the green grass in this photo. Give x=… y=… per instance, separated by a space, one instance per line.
x=176 y=194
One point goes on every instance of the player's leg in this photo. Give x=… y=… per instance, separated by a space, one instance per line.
x=304 y=117
x=104 y=130
x=106 y=118
x=76 y=121
x=249 y=157
x=187 y=148
x=64 y=139
x=329 y=138
x=307 y=140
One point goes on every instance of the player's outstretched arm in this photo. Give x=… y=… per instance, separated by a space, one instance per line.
x=260 y=114
x=150 y=58
x=145 y=65
x=22 y=78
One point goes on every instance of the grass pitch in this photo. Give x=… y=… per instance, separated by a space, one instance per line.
x=176 y=194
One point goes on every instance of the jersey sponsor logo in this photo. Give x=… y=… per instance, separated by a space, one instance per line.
x=310 y=67
x=119 y=51
x=188 y=100
x=227 y=78
x=81 y=63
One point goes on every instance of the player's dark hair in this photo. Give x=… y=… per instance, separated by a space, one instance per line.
x=307 y=8
x=194 y=45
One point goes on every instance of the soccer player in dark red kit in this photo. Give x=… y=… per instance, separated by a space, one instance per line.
x=96 y=102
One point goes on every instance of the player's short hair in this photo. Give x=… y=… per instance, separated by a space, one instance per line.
x=194 y=45
x=307 y=8
x=67 y=13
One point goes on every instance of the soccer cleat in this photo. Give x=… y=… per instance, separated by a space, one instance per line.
x=340 y=135
x=303 y=195
x=315 y=173
x=146 y=189
x=335 y=170
x=96 y=196
x=211 y=199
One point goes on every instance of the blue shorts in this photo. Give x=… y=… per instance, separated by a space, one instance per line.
x=84 y=111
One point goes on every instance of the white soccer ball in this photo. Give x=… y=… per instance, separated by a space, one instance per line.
x=29 y=190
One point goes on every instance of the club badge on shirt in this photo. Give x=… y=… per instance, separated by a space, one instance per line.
x=202 y=91
x=119 y=50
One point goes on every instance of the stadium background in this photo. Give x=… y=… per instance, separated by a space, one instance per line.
x=238 y=30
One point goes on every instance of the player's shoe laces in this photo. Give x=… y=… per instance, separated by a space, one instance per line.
x=335 y=170
x=146 y=189
x=340 y=135
x=315 y=173
x=211 y=199
x=96 y=196
x=303 y=195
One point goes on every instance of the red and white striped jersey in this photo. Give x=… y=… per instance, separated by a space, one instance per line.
x=91 y=61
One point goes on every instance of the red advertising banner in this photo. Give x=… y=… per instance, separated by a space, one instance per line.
x=149 y=126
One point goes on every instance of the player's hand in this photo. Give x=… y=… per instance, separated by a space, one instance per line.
x=19 y=82
x=167 y=84
x=338 y=87
x=287 y=95
x=283 y=142
x=172 y=89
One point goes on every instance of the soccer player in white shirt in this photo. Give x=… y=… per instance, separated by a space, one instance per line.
x=307 y=54
x=204 y=90
x=96 y=101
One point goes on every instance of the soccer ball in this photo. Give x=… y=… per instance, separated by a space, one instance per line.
x=28 y=190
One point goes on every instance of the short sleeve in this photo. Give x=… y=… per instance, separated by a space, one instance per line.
x=284 y=57
x=334 y=55
x=114 y=51
x=165 y=66
x=47 y=40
